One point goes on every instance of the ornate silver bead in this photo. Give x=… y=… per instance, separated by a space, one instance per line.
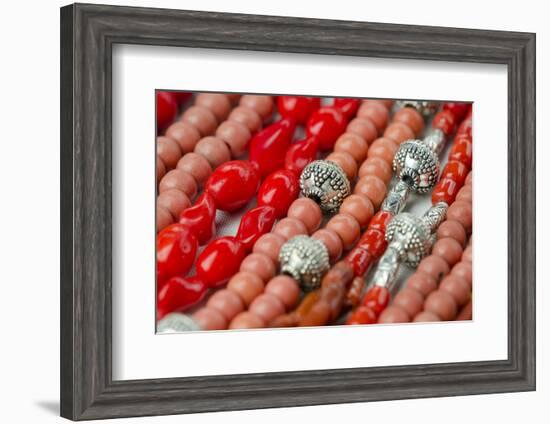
x=410 y=236
x=396 y=198
x=424 y=107
x=417 y=165
x=306 y=260
x=326 y=183
x=177 y=323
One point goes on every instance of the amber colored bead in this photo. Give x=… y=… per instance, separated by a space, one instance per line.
x=354 y=292
x=445 y=191
x=456 y=171
x=319 y=314
x=380 y=220
x=362 y=315
x=444 y=121
x=307 y=303
x=333 y=296
x=462 y=150
x=361 y=260
x=374 y=241
x=342 y=273
x=377 y=298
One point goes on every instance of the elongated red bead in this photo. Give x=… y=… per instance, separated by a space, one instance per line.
x=255 y=223
x=374 y=241
x=361 y=260
x=176 y=249
x=445 y=191
x=347 y=105
x=462 y=150
x=279 y=190
x=200 y=218
x=167 y=108
x=380 y=220
x=268 y=147
x=300 y=154
x=445 y=121
x=362 y=315
x=178 y=294
x=220 y=260
x=377 y=298
x=456 y=171
x=298 y=108
x=459 y=110
x=233 y=184
x=327 y=124
x=465 y=127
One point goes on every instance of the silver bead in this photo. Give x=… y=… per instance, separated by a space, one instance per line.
x=388 y=265
x=177 y=323
x=410 y=236
x=424 y=107
x=435 y=140
x=417 y=165
x=326 y=183
x=435 y=215
x=396 y=198
x=306 y=260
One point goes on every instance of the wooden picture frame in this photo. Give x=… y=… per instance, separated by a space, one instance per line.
x=88 y=33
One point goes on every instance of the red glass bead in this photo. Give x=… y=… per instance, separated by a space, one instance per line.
x=374 y=242
x=459 y=110
x=380 y=220
x=362 y=315
x=179 y=294
x=298 y=108
x=300 y=154
x=167 y=108
x=200 y=218
x=445 y=121
x=377 y=298
x=347 y=105
x=462 y=150
x=456 y=171
x=220 y=260
x=254 y=224
x=445 y=191
x=465 y=127
x=327 y=124
x=279 y=190
x=233 y=184
x=176 y=249
x=182 y=96
x=361 y=261
x=268 y=147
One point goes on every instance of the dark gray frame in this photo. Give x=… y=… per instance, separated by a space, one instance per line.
x=88 y=33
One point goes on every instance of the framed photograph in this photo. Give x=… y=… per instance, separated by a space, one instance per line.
x=263 y=212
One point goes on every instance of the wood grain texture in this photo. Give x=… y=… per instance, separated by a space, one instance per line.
x=88 y=33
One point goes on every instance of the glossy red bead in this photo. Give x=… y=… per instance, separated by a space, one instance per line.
x=456 y=171
x=300 y=154
x=374 y=242
x=220 y=260
x=279 y=190
x=459 y=110
x=268 y=147
x=176 y=249
x=178 y=294
x=298 y=108
x=377 y=298
x=200 y=218
x=167 y=108
x=462 y=150
x=182 y=96
x=361 y=260
x=254 y=224
x=233 y=184
x=465 y=127
x=347 y=105
x=362 y=315
x=380 y=220
x=445 y=121
x=445 y=191
x=327 y=124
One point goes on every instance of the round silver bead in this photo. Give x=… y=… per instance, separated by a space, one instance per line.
x=417 y=165
x=326 y=183
x=425 y=108
x=410 y=236
x=306 y=260
x=177 y=323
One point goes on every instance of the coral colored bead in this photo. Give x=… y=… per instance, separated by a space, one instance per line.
x=467 y=255
x=269 y=244
x=426 y=316
x=246 y=320
x=374 y=242
x=422 y=283
x=456 y=171
x=347 y=227
x=410 y=300
x=353 y=144
x=332 y=242
x=267 y=306
x=452 y=229
x=161 y=169
x=383 y=148
x=169 y=151
x=377 y=298
x=458 y=110
x=246 y=116
x=260 y=265
x=347 y=105
x=462 y=212
x=393 y=314
x=235 y=135
x=285 y=289
x=196 y=165
x=220 y=260
x=462 y=150
x=216 y=103
x=360 y=207
x=263 y=105
x=377 y=167
x=376 y=112
x=399 y=132
x=164 y=217
x=298 y=108
x=268 y=147
x=469 y=179
x=167 y=108
x=444 y=121
x=362 y=315
x=247 y=285
x=448 y=249
x=307 y=211
x=300 y=154
x=290 y=227
x=179 y=293
x=327 y=124
x=210 y=319
x=373 y=188
x=364 y=128
x=465 y=194
x=173 y=200
x=463 y=270
x=201 y=118
x=434 y=266
x=176 y=248
x=233 y=185
x=361 y=260
x=445 y=191
x=279 y=190
x=346 y=162
x=214 y=150
x=255 y=223
x=442 y=304
x=186 y=135
x=227 y=302
x=200 y=218
x=180 y=180
x=411 y=118
x=380 y=221
x=457 y=288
